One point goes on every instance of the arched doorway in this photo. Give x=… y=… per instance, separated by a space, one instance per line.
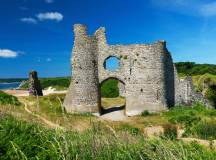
x=112 y=92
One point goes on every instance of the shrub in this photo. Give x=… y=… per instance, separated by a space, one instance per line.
x=6 y=99
x=145 y=113
x=170 y=131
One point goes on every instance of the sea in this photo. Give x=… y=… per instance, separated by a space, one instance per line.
x=13 y=85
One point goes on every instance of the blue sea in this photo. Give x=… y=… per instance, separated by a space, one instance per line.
x=14 y=85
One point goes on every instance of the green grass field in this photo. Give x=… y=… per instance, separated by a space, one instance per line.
x=24 y=135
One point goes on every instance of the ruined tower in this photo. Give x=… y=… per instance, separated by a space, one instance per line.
x=83 y=93
x=146 y=72
x=34 y=84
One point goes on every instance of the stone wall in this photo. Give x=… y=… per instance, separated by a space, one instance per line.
x=121 y=87
x=184 y=93
x=146 y=70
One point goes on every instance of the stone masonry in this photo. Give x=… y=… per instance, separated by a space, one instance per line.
x=34 y=85
x=147 y=75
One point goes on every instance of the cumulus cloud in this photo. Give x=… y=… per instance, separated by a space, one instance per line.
x=6 y=53
x=28 y=20
x=50 y=16
x=49 y=1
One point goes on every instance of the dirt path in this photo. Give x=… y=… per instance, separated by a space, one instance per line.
x=25 y=93
x=49 y=123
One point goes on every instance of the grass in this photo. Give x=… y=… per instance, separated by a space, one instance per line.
x=194 y=119
x=205 y=130
x=112 y=102
x=23 y=140
x=87 y=137
x=51 y=108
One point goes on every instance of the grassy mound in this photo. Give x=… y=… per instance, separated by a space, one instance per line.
x=22 y=140
x=6 y=99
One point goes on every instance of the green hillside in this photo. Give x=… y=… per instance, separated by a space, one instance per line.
x=192 y=69
x=60 y=83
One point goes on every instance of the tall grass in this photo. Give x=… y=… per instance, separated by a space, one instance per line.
x=198 y=120
x=22 y=140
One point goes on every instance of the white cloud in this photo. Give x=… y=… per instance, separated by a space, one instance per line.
x=209 y=9
x=188 y=7
x=48 y=59
x=6 y=53
x=50 y=16
x=49 y=1
x=29 y=20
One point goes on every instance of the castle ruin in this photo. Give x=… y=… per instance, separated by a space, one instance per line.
x=146 y=73
x=34 y=84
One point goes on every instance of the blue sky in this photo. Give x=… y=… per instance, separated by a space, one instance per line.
x=37 y=34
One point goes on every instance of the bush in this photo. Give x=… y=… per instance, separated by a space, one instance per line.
x=109 y=89
x=170 y=131
x=145 y=113
x=6 y=99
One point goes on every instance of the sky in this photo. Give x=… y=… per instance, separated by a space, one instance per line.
x=37 y=34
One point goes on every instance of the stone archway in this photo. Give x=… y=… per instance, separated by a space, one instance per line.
x=112 y=92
